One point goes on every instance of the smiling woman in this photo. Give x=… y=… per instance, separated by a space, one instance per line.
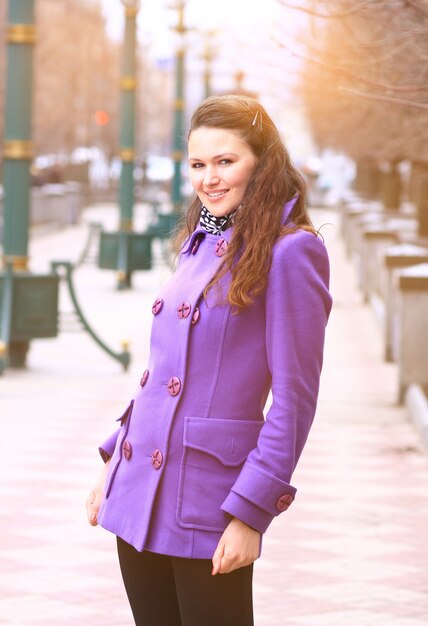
x=195 y=473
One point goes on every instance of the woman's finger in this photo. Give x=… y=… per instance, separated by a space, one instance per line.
x=92 y=507
x=217 y=559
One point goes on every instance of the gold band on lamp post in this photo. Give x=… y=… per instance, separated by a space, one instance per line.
x=177 y=155
x=128 y=83
x=17 y=149
x=179 y=105
x=18 y=263
x=125 y=343
x=21 y=33
x=127 y=154
x=126 y=224
x=131 y=11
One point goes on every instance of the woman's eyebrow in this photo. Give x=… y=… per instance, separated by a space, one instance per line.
x=217 y=156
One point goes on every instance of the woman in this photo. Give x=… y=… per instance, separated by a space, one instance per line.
x=195 y=474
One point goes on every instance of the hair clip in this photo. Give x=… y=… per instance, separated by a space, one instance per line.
x=253 y=123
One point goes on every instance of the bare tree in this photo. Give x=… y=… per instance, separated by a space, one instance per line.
x=77 y=83
x=77 y=74
x=365 y=76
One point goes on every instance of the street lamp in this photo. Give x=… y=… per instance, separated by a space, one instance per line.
x=125 y=250
x=127 y=140
x=208 y=56
x=179 y=105
x=28 y=302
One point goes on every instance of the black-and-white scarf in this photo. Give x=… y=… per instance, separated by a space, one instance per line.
x=215 y=225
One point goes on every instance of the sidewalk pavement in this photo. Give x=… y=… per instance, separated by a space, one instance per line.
x=351 y=551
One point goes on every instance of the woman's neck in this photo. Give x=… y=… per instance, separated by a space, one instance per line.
x=215 y=225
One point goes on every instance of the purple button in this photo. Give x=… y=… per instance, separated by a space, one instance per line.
x=157 y=306
x=174 y=386
x=127 y=450
x=221 y=247
x=183 y=310
x=157 y=459
x=196 y=315
x=144 y=378
x=284 y=502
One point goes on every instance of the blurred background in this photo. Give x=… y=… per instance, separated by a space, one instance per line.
x=95 y=100
x=96 y=96
x=340 y=79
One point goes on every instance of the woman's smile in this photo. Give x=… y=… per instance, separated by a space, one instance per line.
x=216 y=195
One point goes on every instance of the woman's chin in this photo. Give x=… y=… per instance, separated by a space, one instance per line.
x=219 y=211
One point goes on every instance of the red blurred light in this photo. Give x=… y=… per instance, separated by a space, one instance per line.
x=102 y=118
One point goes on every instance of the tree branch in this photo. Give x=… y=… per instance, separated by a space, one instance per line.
x=339 y=14
x=396 y=101
x=344 y=72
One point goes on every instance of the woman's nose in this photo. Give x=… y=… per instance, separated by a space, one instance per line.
x=211 y=177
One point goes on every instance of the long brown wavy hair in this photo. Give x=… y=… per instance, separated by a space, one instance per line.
x=274 y=181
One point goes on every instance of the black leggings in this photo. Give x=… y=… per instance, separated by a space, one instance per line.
x=172 y=591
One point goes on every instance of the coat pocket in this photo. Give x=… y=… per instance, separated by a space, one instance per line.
x=213 y=455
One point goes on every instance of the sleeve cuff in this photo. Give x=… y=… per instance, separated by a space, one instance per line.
x=262 y=493
x=247 y=512
x=106 y=449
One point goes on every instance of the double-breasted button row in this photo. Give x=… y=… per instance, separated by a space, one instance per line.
x=183 y=311
x=157 y=456
x=220 y=247
x=174 y=383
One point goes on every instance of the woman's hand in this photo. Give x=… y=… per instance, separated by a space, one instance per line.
x=239 y=546
x=94 y=499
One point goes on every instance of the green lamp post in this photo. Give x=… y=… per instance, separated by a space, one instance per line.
x=208 y=56
x=179 y=105
x=127 y=140
x=126 y=250
x=18 y=148
x=28 y=302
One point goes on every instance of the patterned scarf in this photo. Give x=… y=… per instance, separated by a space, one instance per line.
x=215 y=225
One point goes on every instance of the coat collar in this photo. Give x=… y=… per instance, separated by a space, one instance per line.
x=201 y=233
x=288 y=207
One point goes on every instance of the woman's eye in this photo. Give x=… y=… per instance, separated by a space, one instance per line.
x=225 y=162
x=196 y=166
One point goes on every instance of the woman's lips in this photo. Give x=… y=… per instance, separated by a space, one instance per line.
x=215 y=195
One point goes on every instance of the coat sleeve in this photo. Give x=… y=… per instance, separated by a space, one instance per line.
x=298 y=304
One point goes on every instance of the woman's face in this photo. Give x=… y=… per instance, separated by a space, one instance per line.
x=221 y=165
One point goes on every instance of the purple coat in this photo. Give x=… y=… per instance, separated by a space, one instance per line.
x=193 y=446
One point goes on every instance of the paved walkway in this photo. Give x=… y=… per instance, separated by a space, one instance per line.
x=352 y=551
